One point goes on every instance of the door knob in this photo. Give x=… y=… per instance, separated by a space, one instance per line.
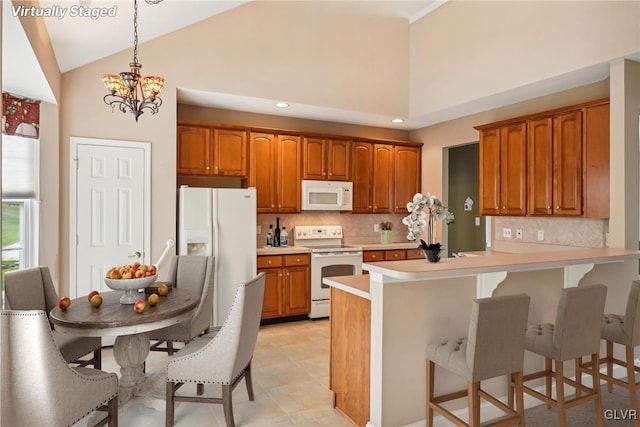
x=136 y=254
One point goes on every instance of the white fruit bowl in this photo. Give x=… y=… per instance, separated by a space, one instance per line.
x=130 y=287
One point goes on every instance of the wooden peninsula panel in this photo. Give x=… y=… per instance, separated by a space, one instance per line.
x=349 y=354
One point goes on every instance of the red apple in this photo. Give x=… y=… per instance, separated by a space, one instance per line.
x=115 y=274
x=153 y=299
x=96 y=300
x=163 y=289
x=152 y=269
x=139 y=306
x=91 y=294
x=127 y=274
x=64 y=303
x=138 y=274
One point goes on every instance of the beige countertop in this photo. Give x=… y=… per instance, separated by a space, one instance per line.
x=283 y=250
x=357 y=285
x=495 y=262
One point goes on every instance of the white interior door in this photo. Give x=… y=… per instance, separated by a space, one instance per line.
x=110 y=209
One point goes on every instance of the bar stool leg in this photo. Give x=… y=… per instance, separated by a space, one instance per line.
x=562 y=416
x=609 y=365
x=510 y=383
x=547 y=378
x=578 y=375
x=595 y=372
x=631 y=383
x=519 y=397
x=474 y=403
x=430 y=391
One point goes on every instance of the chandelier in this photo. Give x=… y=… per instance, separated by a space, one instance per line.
x=129 y=91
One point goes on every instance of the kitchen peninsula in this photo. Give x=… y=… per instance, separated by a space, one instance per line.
x=387 y=319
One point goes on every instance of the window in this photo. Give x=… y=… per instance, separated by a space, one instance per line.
x=19 y=204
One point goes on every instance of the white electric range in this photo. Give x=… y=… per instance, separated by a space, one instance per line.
x=329 y=258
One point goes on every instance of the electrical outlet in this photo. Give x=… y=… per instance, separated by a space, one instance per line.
x=518 y=233
x=540 y=234
x=506 y=232
x=376 y=228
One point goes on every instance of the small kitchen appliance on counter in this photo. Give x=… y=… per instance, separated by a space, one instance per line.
x=329 y=257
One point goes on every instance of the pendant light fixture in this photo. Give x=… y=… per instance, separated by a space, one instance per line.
x=129 y=91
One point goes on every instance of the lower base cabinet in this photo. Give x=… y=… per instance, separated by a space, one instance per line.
x=391 y=255
x=287 y=290
x=350 y=354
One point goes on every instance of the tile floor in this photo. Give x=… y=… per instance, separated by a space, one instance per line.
x=290 y=379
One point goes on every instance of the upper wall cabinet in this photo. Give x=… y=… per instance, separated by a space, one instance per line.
x=372 y=177
x=326 y=159
x=407 y=175
x=209 y=151
x=567 y=163
x=596 y=161
x=503 y=166
x=275 y=172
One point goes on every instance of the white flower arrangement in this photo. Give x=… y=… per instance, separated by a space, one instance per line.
x=418 y=219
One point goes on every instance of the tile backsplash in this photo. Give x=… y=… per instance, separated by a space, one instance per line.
x=581 y=232
x=356 y=228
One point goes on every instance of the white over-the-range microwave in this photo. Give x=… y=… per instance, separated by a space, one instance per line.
x=327 y=195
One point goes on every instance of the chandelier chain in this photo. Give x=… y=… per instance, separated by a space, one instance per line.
x=135 y=31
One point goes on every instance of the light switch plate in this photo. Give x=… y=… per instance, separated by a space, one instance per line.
x=540 y=234
x=506 y=232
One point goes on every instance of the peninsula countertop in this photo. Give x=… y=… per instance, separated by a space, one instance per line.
x=491 y=262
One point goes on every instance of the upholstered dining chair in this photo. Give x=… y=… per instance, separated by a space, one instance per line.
x=493 y=347
x=575 y=333
x=623 y=330
x=32 y=289
x=193 y=272
x=222 y=357
x=38 y=387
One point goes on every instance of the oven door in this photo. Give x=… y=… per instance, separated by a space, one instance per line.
x=329 y=265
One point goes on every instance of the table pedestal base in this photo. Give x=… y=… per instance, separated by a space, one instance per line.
x=130 y=351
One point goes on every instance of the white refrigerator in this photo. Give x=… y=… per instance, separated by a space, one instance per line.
x=220 y=222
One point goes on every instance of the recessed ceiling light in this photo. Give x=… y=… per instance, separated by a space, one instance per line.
x=398 y=120
x=282 y=104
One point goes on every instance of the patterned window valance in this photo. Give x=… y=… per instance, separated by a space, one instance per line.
x=20 y=116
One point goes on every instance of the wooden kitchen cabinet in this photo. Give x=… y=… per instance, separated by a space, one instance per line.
x=211 y=152
x=567 y=163
x=567 y=170
x=596 y=161
x=407 y=175
x=275 y=172
x=503 y=168
x=555 y=165
x=194 y=150
x=391 y=255
x=326 y=159
x=372 y=177
x=362 y=177
x=287 y=285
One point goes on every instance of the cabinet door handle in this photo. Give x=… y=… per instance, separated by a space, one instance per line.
x=395 y=255
x=297 y=259
x=280 y=274
x=558 y=207
x=216 y=168
x=504 y=207
x=497 y=208
x=548 y=207
x=208 y=168
x=287 y=273
x=269 y=261
x=273 y=206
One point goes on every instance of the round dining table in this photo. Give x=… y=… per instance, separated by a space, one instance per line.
x=130 y=328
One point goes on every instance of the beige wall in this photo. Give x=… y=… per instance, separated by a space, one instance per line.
x=466 y=51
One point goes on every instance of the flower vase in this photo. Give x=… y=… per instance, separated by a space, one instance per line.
x=386 y=236
x=432 y=255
